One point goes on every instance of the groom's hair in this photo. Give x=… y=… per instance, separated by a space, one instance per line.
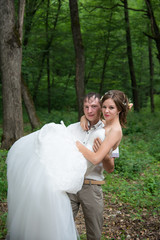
x=90 y=95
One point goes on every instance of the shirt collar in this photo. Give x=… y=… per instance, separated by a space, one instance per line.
x=97 y=125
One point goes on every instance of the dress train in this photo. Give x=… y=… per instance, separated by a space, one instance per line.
x=41 y=168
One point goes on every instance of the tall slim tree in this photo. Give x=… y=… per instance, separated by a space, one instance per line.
x=154 y=27
x=11 y=59
x=151 y=68
x=106 y=55
x=48 y=58
x=32 y=6
x=30 y=10
x=46 y=50
x=29 y=105
x=130 y=57
x=79 y=53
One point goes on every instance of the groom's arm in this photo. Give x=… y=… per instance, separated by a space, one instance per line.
x=108 y=164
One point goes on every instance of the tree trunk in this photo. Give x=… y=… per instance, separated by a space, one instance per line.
x=154 y=27
x=46 y=49
x=29 y=104
x=31 y=8
x=130 y=58
x=67 y=82
x=151 y=67
x=93 y=62
x=79 y=53
x=11 y=59
x=48 y=60
x=106 y=56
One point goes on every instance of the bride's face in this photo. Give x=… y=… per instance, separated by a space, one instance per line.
x=109 y=110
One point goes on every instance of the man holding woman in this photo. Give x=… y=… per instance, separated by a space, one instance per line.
x=45 y=165
x=90 y=197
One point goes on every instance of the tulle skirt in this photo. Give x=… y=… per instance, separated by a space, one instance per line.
x=41 y=168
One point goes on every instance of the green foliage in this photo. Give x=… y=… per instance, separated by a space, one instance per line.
x=156 y=103
x=67 y=117
x=134 y=158
x=3 y=177
x=62 y=97
x=154 y=147
x=144 y=127
x=143 y=192
x=104 y=37
x=136 y=179
x=140 y=144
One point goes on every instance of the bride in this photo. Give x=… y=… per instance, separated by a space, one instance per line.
x=44 y=166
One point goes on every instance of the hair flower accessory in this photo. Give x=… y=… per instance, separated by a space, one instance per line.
x=101 y=98
x=130 y=105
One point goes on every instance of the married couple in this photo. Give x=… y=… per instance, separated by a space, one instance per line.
x=54 y=170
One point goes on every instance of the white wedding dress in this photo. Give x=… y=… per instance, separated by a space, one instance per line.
x=41 y=168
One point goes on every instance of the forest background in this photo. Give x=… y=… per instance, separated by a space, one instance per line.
x=52 y=52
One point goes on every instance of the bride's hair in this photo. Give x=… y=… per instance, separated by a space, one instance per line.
x=121 y=101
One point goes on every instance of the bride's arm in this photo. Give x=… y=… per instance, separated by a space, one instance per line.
x=108 y=162
x=111 y=140
x=84 y=123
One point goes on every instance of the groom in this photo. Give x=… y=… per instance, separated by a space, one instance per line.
x=90 y=197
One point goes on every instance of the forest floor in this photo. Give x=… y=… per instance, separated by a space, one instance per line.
x=120 y=222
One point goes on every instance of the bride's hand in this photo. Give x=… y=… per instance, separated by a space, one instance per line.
x=84 y=123
x=96 y=144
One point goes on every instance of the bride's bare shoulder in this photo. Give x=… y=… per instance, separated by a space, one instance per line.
x=114 y=130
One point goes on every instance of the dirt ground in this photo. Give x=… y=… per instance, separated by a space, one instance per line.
x=120 y=222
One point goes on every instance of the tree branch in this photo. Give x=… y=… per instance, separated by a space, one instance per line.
x=149 y=36
x=110 y=8
x=21 y=18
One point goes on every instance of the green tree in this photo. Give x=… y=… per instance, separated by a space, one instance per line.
x=79 y=54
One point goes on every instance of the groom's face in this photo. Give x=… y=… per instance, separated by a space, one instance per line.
x=92 y=110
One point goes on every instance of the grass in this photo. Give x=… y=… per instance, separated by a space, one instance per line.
x=142 y=192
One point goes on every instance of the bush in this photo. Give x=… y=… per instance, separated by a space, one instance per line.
x=143 y=192
x=134 y=158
